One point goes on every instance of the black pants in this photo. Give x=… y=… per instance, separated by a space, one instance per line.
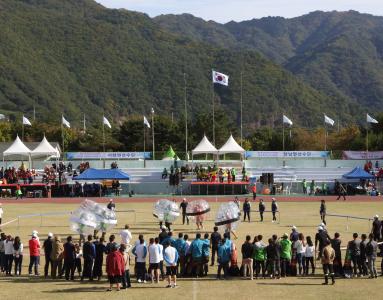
x=323 y=218
x=141 y=270
x=357 y=264
x=363 y=262
x=214 y=251
x=88 y=266
x=57 y=266
x=126 y=280
x=48 y=262
x=341 y=195
x=328 y=271
x=69 y=267
x=225 y=268
x=284 y=266
x=260 y=265
x=183 y=219
x=254 y=196
x=274 y=218
x=246 y=213
x=261 y=215
x=8 y=263
x=34 y=262
x=18 y=264
x=309 y=260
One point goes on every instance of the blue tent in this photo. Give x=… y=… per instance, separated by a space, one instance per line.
x=101 y=174
x=358 y=173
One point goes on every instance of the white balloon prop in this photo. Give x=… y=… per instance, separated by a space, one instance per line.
x=92 y=216
x=166 y=211
x=228 y=216
x=198 y=210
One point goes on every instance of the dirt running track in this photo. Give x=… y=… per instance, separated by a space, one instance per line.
x=357 y=198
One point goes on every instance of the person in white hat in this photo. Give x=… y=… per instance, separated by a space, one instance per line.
x=376 y=228
x=321 y=238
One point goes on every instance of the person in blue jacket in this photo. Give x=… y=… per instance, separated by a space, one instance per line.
x=206 y=254
x=224 y=256
x=170 y=239
x=179 y=245
x=197 y=254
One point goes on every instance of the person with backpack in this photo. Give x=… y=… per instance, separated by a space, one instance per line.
x=327 y=263
x=371 y=254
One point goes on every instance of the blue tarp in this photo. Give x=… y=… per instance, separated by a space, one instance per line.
x=97 y=174
x=358 y=173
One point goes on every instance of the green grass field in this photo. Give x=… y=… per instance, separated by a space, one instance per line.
x=304 y=215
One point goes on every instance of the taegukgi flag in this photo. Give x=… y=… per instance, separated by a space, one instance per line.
x=65 y=122
x=371 y=120
x=328 y=120
x=106 y=122
x=220 y=78
x=146 y=122
x=286 y=120
x=26 y=121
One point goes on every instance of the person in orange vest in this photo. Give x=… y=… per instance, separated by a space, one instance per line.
x=254 y=191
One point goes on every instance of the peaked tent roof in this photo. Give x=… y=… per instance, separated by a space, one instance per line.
x=44 y=148
x=231 y=146
x=101 y=174
x=169 y=154
x=205 y=146
x=358 y=173
x=17 y=148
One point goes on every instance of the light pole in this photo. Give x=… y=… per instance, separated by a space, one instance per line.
x=154 y=156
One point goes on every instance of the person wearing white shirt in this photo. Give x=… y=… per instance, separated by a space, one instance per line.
x=8 y=252
x=300 y=246
x=309 y=254
x=18 y=255
x=171 y=259
x=140 y=251
x=155 y=254
x=126 y=235
x=157 y=242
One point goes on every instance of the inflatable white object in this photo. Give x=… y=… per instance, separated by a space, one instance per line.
x=166 y=211
x=228 y=216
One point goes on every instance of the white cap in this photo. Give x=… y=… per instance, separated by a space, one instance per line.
x=34 y=235
x=184 y=199
x=294 y=227
x=50 y=234
x=323 y=225
x=376 y=216
x=35 y=232
x=163 y=227
x=320 y=228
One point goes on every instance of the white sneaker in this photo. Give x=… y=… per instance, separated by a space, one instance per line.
x=144 y=281
x=139 y=280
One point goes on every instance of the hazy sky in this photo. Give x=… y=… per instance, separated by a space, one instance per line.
x=238 y=10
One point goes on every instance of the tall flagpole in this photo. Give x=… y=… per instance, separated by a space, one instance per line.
x=213 y=113
x=154 y=156
x=22 y=130
x=241 y=107
x=283 y=136
x=103 y=135
x=144 y=144
x=186 y=119
x=325 y=134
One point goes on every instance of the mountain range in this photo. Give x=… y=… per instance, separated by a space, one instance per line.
x=75 y=56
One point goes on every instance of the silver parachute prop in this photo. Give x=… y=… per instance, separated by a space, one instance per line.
x=228 y=217
x=198 y=210
x=166 y=211
x=92 y=216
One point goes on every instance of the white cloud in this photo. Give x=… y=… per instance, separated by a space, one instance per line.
x=238 y=10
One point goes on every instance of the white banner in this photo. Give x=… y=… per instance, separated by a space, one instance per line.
x=362 y=155
x=287 y=154
x=108 y=155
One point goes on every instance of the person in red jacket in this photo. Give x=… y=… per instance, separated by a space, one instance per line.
x=115 y=267
x=34 y=254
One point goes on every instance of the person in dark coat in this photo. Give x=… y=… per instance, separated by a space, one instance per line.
x=99 y=258
x=47 y=246
x=322 y=211
x=69 y=259
x=376 y=228
x=183 y=206
x=262 y=209
x=246 y=210
x=335 y=244
x=89 y=254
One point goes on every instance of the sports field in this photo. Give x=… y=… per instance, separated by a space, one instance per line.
x=304 y=215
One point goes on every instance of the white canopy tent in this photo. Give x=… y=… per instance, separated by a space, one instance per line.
x=204 y=147
x=231 y=146
x=44 y=149
x=17 y=149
